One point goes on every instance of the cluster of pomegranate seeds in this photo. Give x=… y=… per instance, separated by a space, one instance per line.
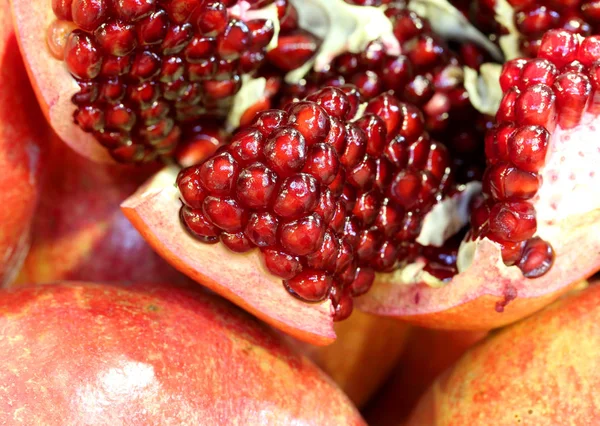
x=427 y=74
x=552 y=91
x=146 y=67
x=329 y=196
x=533 y=18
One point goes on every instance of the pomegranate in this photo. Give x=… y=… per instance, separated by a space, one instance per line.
x=518 y=26
x=79 y=353
x=132 y=76
x=135 y=76
x=339 y=195
x=540 y=371
x=22 y=148
x=79 y=232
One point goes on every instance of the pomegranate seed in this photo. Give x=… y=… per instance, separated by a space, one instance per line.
x=310 y=285
x=538 y=257
x=197 y=224
x=513 y=221
x=282 y=264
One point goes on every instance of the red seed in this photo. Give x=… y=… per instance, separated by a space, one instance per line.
x=297 y=196
x=256 y=186
x=538 y=258
x=528 y=146
x=262 y=229
x=224 y=213
x=82 y=56
x=303 y=236
x=513 y=221
x=196 y=223
x=282 y=264
x=310 y=285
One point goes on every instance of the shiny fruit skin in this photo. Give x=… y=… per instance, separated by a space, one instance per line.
x=151 y=354
x=542 y=371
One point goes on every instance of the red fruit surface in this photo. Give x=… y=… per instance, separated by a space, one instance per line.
x=541 y=371
x=364 y=354
x=152 y=354
x=79 y=231
x=23 y=139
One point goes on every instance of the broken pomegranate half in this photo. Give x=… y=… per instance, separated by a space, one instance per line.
x=330 y=197
x=132 y=76
x=518 y=26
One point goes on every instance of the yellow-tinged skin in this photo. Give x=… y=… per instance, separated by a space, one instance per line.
x=543 y=371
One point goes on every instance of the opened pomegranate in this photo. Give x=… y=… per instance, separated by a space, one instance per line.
x=519 y=25
x=338 y=195
x=136 y=73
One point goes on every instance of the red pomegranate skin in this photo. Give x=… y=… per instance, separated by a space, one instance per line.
x=542 y=371
x=22 y=135
x=79 y=353
x=79 y=232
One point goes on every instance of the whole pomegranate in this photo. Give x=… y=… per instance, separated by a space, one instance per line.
x=77 y=353
x=541 y=371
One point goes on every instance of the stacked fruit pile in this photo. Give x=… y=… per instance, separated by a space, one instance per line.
x=339 y=169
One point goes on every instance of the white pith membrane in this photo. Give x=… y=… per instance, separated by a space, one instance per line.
x=344 y=27
x=484 y=91
x=509 y=43
x=349 y=28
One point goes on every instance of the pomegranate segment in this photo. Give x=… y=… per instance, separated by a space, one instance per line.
x=540 y=208
x=322 y=237
x=519 y=25
x=153 y=210
x=147 y=69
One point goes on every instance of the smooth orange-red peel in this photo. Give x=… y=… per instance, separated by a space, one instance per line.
x=152 y=354
x=542 y=371
x=79 y=232
x=23 y=139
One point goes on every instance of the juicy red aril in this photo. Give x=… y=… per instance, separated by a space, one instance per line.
x=178 y=60
x=310 y=285
x=303 y=236
x=537 y=258
x=256 y=186
x=310 y=188
x=198 y=225
x=224 y=213
x=285 y=151
x=238 y=242
x=298 y=195
x=282 y=264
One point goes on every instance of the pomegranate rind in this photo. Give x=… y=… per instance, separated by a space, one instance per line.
x=154 y=212
x=52 y=83
x=488 y=294
x=540 y=372
x=23 y=136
